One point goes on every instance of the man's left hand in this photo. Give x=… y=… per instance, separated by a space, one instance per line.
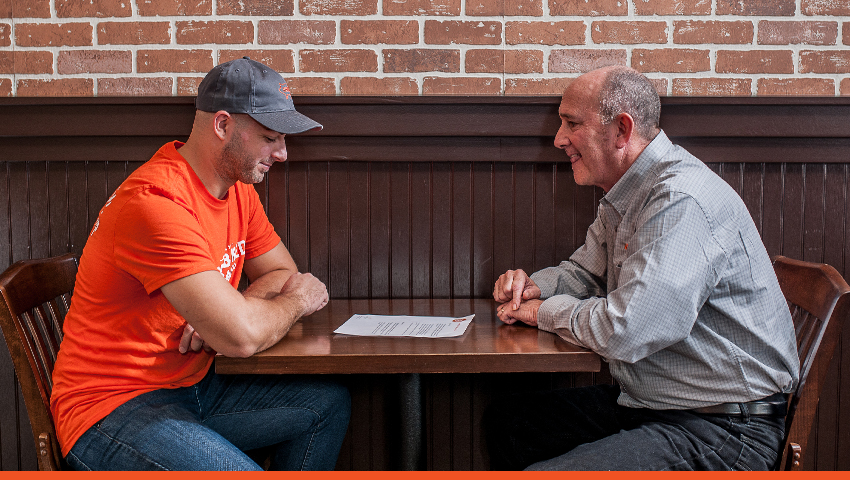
x=526 y=313
x=192 y=341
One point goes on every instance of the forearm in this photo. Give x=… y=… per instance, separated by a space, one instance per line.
x=269 y=285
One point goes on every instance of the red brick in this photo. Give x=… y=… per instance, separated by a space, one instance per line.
x=672 y=7
x=712 y=87
x=845 y=86
x=671 y=60
x=421 y=7
x=796 y=86
x=845 y=27
x=421 y=60
x=91 y=8
x=339 y=7
x=281 y=32
x=754 y=61
x=584 y=60
x=221 y=32
x=257 y=8
x=72 y=62
x=461 y=86
x=134 y=86
x=588 y=7
x=756 y=7
x=25 y=9
x=825 y=61
x=628 y=32
x=174 y=60
x=545 y=33
x=167 y=8
x=5 y=34
x=373 y=32
x=523 y=61
x=5 y=87
x=378 y=86
x=338 y=61
x=458 y=32
x=790 y=33
x=63 y=87
x=536 y=86
x=188 y=86
x=504 y=61
x=27 y=61
x=133 y=33
x=312 y=85
x=282 y=61
x=53 y=34
x=497 y=8
x=825 y=7
x=713 y=31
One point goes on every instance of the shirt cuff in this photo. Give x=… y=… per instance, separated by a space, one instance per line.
x=555 y=315
x=546 y=283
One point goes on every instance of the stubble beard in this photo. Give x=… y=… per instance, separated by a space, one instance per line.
x=234 y=164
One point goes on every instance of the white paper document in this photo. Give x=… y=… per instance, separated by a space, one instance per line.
x=404 y=326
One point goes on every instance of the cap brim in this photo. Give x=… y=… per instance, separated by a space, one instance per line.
x=286 y=121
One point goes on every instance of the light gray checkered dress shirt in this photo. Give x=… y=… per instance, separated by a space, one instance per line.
x=675 y=290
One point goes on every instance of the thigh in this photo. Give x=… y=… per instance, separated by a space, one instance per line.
x=526 y=428
x=255 y=411
x=158 y=430
x=674 y=441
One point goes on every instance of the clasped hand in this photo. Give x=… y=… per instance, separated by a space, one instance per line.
x=518 y=297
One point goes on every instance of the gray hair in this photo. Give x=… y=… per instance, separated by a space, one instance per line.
x=627 y=91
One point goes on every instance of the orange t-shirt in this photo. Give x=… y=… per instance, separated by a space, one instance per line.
x=121 y=334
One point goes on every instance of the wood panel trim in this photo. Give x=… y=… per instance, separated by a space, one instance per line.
x=428 y=129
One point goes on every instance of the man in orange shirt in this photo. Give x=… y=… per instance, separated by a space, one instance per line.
x=156 y=297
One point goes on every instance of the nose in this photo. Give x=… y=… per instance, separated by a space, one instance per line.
x=561 y=138
x=279 y=153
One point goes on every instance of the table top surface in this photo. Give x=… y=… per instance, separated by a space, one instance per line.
x=488 y=345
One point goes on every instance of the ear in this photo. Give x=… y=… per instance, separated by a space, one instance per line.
x=223 y=124
x=625 y=127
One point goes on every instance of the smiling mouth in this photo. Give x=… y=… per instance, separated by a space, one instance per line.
x=574 y=157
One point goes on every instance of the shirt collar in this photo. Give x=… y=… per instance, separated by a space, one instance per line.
x=628 y=187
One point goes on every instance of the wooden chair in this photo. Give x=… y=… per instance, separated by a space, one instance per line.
x=819 y=299
x=36 y=296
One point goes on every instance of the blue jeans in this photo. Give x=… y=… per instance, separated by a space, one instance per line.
x=585 y=429
x=210 y=426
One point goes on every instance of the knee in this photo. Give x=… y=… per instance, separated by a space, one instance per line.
x=336 y=400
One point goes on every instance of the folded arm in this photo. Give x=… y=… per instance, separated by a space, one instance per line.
x=241 y=324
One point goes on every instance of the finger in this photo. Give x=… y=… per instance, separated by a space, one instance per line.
x=517 y=290
x=197 y=342
x=186 y=339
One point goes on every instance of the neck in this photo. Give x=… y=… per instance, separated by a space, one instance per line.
x=202 y=162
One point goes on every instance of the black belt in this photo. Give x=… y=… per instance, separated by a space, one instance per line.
x=775 y=405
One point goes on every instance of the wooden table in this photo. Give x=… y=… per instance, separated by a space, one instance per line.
x=488 y=345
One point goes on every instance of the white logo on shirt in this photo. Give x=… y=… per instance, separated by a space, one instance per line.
x=97 y=222
x=228 y=260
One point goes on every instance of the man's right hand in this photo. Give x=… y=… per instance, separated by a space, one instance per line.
x=515 y=286
x=307 y=288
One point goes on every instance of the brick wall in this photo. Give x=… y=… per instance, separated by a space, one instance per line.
x=425 y=47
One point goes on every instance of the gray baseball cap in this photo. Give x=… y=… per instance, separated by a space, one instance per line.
x=247 y=86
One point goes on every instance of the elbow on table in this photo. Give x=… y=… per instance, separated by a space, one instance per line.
x=240 y=342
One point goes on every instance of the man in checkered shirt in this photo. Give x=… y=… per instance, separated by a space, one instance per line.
x=673 y=288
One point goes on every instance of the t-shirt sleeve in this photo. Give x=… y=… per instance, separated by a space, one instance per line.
x=158 y=241
x=261 y=234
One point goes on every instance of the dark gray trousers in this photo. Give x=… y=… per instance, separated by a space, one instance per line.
x=585 y=429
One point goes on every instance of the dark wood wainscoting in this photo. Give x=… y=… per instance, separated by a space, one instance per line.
x=430 y=197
